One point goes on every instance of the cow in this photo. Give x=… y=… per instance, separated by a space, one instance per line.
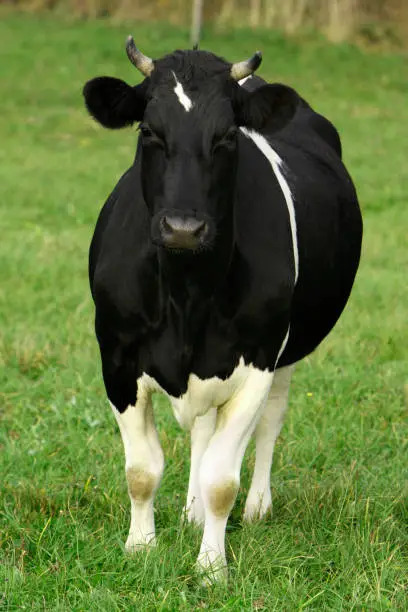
x=224 y=255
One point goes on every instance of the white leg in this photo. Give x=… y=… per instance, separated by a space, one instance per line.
x=221 y=465
x=201 y=433
x=259 y=499
x=144 y=467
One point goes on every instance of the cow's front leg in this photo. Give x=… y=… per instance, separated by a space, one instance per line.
x=201 y=433
x=221 y=466
x=144 y=467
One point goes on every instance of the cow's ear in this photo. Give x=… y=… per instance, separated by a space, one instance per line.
x=270 y=107
x=114 y=103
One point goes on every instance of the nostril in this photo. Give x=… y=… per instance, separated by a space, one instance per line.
x=180 y=232
x=165 y=226
x=200 y=230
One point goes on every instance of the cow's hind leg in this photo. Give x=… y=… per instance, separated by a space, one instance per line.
x=144 y=467
x=201 y=433
x=259 y=499
x=221 y=465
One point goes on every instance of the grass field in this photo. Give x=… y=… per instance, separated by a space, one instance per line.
x=338 y=537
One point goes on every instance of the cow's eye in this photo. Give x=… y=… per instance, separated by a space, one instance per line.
x=150 y=137
x=145 y=130
x=227 y=140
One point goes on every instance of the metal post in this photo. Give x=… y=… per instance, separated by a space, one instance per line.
x=196 y=22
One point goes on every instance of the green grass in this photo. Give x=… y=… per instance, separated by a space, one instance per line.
x=338 y=536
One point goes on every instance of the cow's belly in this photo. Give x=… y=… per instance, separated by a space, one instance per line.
x=201 y=395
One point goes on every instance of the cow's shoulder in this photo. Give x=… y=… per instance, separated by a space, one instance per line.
x=123 y=262
x=103 y=221
x=308 y=121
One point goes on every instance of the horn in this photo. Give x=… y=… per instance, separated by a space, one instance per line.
x=240 y=70
x=143 y=63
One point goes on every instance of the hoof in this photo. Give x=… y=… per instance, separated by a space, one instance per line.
x=212 y=573
x=255 y=513
x=138 y=544
x=258 y=509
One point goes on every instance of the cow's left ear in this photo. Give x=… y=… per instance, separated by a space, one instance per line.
x=270 y=107
x=114 y=103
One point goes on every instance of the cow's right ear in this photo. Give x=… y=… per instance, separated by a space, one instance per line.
x=114 y=103
x=269 y=107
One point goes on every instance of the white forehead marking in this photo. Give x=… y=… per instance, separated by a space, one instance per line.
x=183 y=98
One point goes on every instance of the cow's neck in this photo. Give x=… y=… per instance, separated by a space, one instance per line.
x=193 y=281
x=184 y=275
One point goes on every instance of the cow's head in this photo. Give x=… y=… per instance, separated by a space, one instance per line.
x=190 y=106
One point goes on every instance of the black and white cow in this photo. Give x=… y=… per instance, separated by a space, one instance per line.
x=224 y=255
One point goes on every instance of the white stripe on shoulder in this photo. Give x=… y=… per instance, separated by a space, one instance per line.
x=183 y=98
x=282 y=348
x=277 y=164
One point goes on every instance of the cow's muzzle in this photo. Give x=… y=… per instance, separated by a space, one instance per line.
x=183 y=233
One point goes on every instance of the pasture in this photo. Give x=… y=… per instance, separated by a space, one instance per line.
x=338 y=536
